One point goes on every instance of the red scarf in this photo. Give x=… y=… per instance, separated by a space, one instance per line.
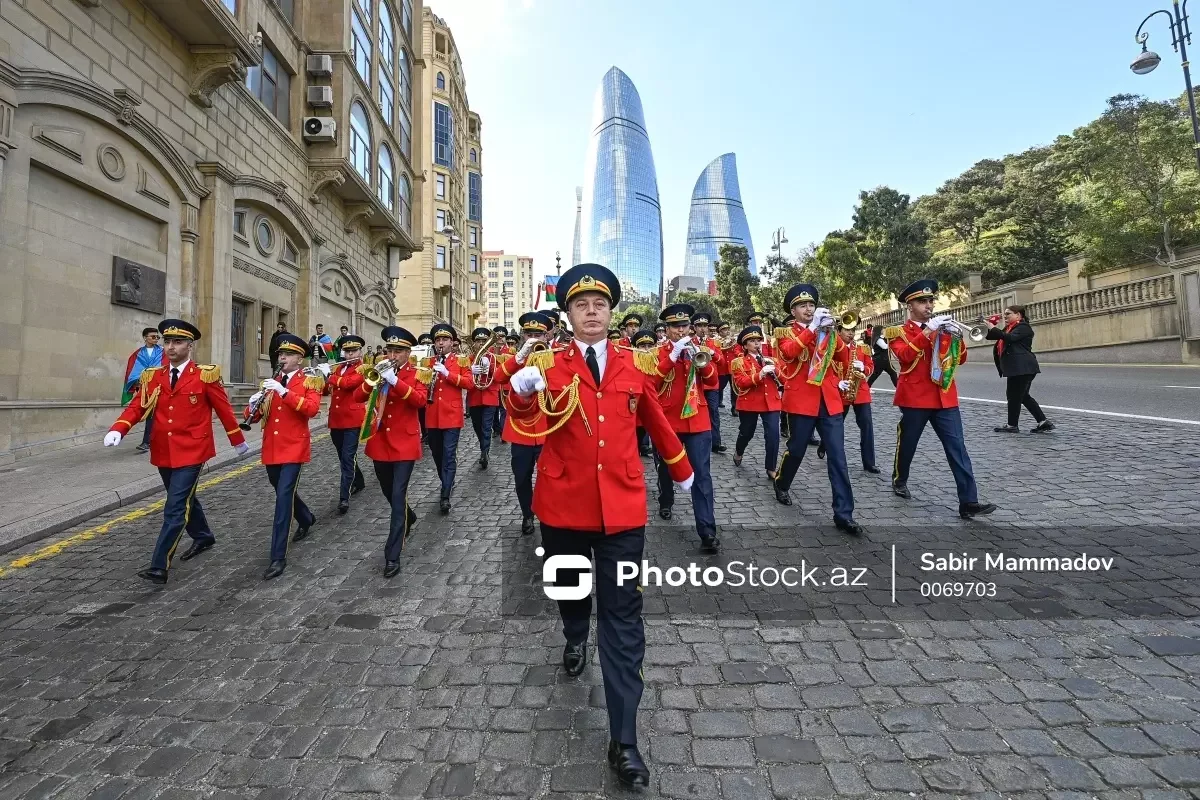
x=1007 y=329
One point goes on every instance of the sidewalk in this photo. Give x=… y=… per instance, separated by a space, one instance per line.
x=52 y=492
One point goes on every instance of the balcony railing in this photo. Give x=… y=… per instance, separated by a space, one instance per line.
x=1150 y=291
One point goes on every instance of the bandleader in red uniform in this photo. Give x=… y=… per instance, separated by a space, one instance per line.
x=757 y=388
x=346 y=412
x=926 y=393
x=181 y=398
x=444 y=407
x=590 y=496
x=483 y=392
x=284 y=406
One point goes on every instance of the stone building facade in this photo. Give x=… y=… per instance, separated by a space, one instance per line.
x=444 y=283
x=154 y=162
x=510 y=289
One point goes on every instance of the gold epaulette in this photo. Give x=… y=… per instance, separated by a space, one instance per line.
x=784 y=333
x=210 y=373
x=736 y=364
x=647 y=362
x=425 y=375
x=503 y=357
x=893 y=332
x=464 y=362
x=315 y=382
x=542 y=359
x=147 y=375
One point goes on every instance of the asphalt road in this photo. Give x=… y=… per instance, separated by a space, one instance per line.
x=1168 y=392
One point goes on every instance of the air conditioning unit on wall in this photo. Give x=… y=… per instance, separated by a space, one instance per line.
x=320 y=66
x=320 y=129
x=320 y=96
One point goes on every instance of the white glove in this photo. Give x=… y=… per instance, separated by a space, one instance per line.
x=820 y=317
x=485 y=363
x=936 y=322
x=479 y=369
x=525 y=350
x=254 y=398
x=882 y=343
x=685 y=485
x=527 y=380
x=324 y=369
x=440 y=369
x=242 y=448
x=678 y=348
x=843 y=385
x=112 y=439
x=272 y=385
x=858 y=365
x=389 y=374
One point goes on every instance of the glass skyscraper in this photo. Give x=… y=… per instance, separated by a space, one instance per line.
x=622 y=221
x=717 y=217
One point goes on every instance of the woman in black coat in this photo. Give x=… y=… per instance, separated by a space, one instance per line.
x=1013 y=354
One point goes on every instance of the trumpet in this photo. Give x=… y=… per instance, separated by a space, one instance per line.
x=312 y=372
x=373 y=377
x=700 y=356
x=976 y=333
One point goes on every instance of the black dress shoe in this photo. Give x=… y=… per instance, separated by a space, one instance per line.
x=275 y=570
x=821 y=450
x=357 y=487
x=1007 y=429
x=627 y=762
x=575 y=658
x=198 y=547
x=445 y=505
x=483 y=461
x=900 y=489
x=154 y=575
x=665 y=512
x=1045 y=426
x=720 y=448
x=871 y=468
x=391 y=568
x=710 y=545
x=302 y=531
x=968 y=510
x=343 y=506
x=848 y=526
x=411 y=520
x=737 y=459
x=527 y=526
x=814 y=441
x=782 y=497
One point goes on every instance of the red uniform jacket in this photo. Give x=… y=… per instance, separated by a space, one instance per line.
x=915 y=388
x=862 y=352
x=753 y=394
x=796 y=347
x=396 y=429
x=491 y=395
x=346 y=408
x=590 y=477
x=672 y=391
x=182 y=434
x=446 y=410
x=286 y=439
x=528 y=431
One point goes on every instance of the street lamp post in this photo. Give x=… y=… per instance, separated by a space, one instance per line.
x=449 y=233
x=778 y=240
x=1181 y=37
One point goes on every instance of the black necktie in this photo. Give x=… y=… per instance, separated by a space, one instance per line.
x=593 y=364
x=174 y=376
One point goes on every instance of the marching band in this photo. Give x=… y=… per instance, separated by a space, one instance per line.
x=578 y=405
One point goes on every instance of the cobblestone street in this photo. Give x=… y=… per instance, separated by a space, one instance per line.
x=333 y=682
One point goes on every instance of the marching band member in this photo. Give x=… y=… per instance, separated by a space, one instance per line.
x=483 y=395
x=527 y=436
x=660 y=332
x=701 y=322
x=644 y=341
x=757 y=387
x=392 y=434
x=861 y=362
x=423 y=339
x=629 y=326
x=285 y=406
x=681 y=389
x=614 y=336
x=926 y=393
x=727 y=357
x=808 y=348
x=590 y=494
x=444 y=407
x=346 y=415
x=501 y=350
x=181 y=398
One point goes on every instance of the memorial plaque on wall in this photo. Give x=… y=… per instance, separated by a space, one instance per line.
x=138 y=286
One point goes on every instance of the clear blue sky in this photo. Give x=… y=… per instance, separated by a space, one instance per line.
x=818 y=101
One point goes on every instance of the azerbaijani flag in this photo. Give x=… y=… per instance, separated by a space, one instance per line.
x=551 y=288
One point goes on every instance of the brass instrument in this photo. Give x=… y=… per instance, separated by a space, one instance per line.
x=312 y=372
x=699 y=355
x=372 y=378
x=481 y=352
x=857 y=376
x=976 y=333
x=562 y=336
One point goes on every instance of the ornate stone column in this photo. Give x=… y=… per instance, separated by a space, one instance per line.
x=308 y=288
x=214 y=264
x=8 y=110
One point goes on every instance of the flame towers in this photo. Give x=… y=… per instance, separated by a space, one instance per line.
x=717 y=217
x=622 y=221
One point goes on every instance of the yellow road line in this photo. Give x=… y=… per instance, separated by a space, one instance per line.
x=55 y=548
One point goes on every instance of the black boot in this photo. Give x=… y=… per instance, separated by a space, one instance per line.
x=871 y=468
x=302 y=531
x=445 y=505
x=1045 y=426
x=154 y=575
x=849 y=526
x=665 y=512
x=275 y=570
x=483 y=461
x=575 y=658
x=710 y=545
x=391 y=568
x=969 y=510
x=343 y=506
x=900 y=489
x=782 y=497
x=527 y=526
x=627 y=762
x=821 y=450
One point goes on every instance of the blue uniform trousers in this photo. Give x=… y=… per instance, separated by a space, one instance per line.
x=723 y=381
x=421 y=418
x=524 y=458
x=748 y=423
x=947 y=424
x=285 y=478
x=345 y=441
x=832 y=428
x=181 y=512
x=699 y=453
x=713 y=398
x=443 y=445
x=499 y=417
x=393 y=480
x=482 y=419
x=621 y=635
x=149 y=426
x=866 y=430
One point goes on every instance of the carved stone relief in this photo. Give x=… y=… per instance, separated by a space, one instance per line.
x=111 y=162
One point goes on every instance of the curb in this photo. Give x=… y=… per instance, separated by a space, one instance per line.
x=27 y=531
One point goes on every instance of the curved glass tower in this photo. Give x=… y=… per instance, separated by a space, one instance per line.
x=622 y=221
x=717 y=217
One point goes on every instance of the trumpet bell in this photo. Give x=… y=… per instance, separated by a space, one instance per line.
x=977 y=333
x=849 y=320
x=702 y=358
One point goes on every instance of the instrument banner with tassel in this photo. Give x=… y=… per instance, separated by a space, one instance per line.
x=942 y=368
x=817 y=369
x=374 y=416
x=691 y=398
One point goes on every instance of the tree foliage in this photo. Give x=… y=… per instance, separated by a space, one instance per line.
x=734 y=284
x=699 y=302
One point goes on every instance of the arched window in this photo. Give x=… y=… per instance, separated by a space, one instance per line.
x=387 y=179
x=405 y=202
x=441 y=81
x=474 y=156
x=360 y=141
x=405 y=82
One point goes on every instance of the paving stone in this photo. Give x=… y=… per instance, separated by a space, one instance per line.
x=688 y=785
x=722 y=753
x=786 y=749
x=1178 y=770
x=893 y=777
x=1067 y=773
x=801 y=781
x=1124 y=772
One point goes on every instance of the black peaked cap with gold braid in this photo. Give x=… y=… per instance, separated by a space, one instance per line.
x=395 y=336
x=588 y=278
x=178 y=329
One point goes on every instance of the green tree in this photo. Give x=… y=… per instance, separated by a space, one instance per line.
x=776 y=275
x=734 y=284
x=1039 y=218
x=893 y=245
x=970 y=205
x=699 y=302
x=836 y=268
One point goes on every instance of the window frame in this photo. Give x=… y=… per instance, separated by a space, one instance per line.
x=280 y=81
x=439 y=186
x=387 y=105
x=361 y=49
x=440 y=257
x=355 y=136
x=387 y=36
x=385 y=153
